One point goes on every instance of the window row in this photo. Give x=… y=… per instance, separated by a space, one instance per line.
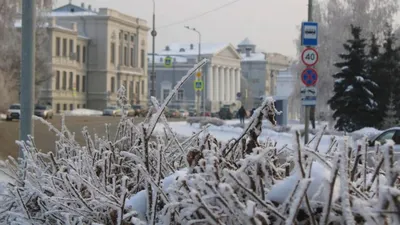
x=180 y=96
x=67 y=82
x=126 y=56
x=126 y=35
x=70 y=107
x=77 y=52
x=131 y=89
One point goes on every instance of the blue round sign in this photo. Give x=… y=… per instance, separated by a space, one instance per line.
x=309 y=77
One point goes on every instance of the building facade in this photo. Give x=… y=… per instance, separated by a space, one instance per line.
x=254 y=70
x=275 y=63
x=221 y=74
x=94 y=53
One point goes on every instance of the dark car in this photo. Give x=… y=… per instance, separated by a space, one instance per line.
x=225 y=113
x=44 y=111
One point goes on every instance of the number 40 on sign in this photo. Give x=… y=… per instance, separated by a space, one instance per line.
x=309 y=56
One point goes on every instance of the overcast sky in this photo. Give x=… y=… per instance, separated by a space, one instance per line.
x=271 y=24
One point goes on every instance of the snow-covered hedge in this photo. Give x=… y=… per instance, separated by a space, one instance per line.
x=205 y=121
x=133 y=177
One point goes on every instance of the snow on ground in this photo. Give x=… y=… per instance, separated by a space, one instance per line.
x=229 y=131
x=83 y=112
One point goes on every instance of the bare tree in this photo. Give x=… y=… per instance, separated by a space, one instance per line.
x=10 y=42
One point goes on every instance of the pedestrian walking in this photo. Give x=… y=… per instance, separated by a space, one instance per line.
x=242 y=114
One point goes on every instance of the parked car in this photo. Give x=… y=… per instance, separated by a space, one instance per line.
x=13 y=112
x=44 y=111
x=183 y=113
x=225 y=113
x=112 y=111
x=137 y=110
x=389 y=134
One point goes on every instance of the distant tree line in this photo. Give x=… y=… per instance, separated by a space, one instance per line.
x=366 y=88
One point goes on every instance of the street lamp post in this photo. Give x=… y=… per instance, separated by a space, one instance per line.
x=204 y=77
x=153 y=34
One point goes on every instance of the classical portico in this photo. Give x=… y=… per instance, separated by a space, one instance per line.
x=223 y=83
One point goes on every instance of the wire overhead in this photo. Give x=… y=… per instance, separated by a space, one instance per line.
x=199 y=15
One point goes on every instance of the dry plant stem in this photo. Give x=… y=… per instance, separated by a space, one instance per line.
x=328 y=206
x=255 y=197
x=303 y=174
x=153 y=123
x=376 y=172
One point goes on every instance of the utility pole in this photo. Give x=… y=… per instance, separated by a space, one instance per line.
x=27 y=70
x=307 y=108
x=204 y=81
x=153 y=34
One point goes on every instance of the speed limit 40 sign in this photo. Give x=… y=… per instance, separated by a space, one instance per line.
x=309 y=56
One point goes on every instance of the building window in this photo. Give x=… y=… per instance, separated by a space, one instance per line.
x=120 y=55
x=84 y=54
x=180 y=95
x=58 y=46
x=78 y=53
x=83 y=83
x=58 y=80
x=125 y=56
x=71 y=80
x=142 y=87
x=64 y=47
x=58 y=108
x=132 y=57
x=165 y=93
x=84 y=106
x=78 y=83
x=71 y=46
x=112 y=83
x=120 y=34
x=64 y=81
x=142 y=55
x=78 y=106
x=126 y=37
x=71 y=107
x=65 y=107
x=112 y=52
x=132 y=38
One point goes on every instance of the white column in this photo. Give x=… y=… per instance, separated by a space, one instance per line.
x=216 y=83
x=233 y=86
x=222 y=84
x=237 y=76
x=209 y=85
x=228 y=84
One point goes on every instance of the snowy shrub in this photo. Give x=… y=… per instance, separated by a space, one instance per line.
x=212 y=120
x=205 y=121
x=135 y=177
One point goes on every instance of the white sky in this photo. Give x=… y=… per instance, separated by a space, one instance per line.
x=270 y=24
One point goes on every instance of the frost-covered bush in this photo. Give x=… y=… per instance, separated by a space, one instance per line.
x=135 y=177
x=205 y=121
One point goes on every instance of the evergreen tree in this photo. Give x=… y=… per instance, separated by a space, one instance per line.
x=390 y=119
x=373 y=72
x=387 y=70
x=353 y=101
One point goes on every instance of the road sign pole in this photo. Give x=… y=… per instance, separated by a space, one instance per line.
x=307 y=108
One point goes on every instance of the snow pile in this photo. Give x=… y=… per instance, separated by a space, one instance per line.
x=83 y=112
x=3 y=116
x=368 y=132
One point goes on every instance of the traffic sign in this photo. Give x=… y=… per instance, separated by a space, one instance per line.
x=168 y=61
x=309 y=56
x=309 y=34
x=198 y=85
x=308 y=92
x=198 y=74
x=309 y=101
x=309 y=77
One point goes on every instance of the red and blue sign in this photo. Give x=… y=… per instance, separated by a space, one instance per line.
x=309 y=77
